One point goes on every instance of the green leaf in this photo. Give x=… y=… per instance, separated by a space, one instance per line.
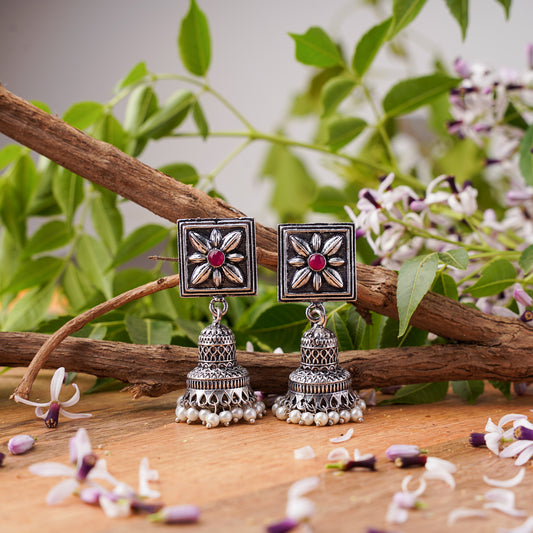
x=50 y=236
x=194 y=41
x=10 y=254
x=24 y=180
x=457 y=258
x=138 y=242
x=369 y=45
x=107 y=221
x=330 y=200
x=136 y=74
x=445 y=285
x=503 y=386
x=337 y=325
x=469 y=390
x=200 y=120
x=410 y=94
x=27 y=312
x=76 y=288
x=280 y=325
x=526 y=259
x=334 y=92
x=169 y=117
x=526 y=156
x=10 y=153
x=459 y=10
x=343 y=130
x=403 y=13
x=506 y=6
x=93 y=260
x=141 y=105
x=148 y=331
x=42 y=106
x=110 y=130
x=495 y=277
x=421 y=393
x=389 y=338
x=33 y=273
x=83 y=114
x=513 y=117
x=68 y=192
x=182 y=172
x=315 y=48
x=414 y=281
x=292 y=180
x=12 y=213
x=129 y=278
x=105 y=385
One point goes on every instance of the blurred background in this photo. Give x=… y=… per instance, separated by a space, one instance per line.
x=63 y=51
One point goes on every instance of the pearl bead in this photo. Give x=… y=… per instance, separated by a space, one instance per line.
x=181 y=414
x=345 y=416
x=333 y=417
x=203 y=414
x=307 y=418
x=212 y=420
x=192 y=414
x=357 y=414
x=250 y=415
x=279 y=399
x=179 y=400
x=236 y=413
x=361 y=404
x=225 y=417
x=294 y=416
x=259 y=407
x=321 y=419
x=281 y=412
x=275 y=408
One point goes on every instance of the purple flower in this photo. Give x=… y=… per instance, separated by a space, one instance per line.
x=414 y=460
x=20 y=444
x=477 y=439
x=287 y=524
x=176 y=514
x=401 y=450
x=51 y=417
x=367 y=461
x=2 y=457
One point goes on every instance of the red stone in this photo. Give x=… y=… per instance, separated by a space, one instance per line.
x=316 y=262
x=216 y=258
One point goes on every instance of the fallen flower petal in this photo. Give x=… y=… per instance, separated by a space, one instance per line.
x=303 y=486
x=115 y=507
x=402 y=450
x=512 y=482
x=300 y=509
x=176 y=514
x=463 y=512
x=434 y=464
x=145 y=476
x=338 y=454
x=396 y=514
x=305 y=452
x=522 y=448
x=287 y=524
x=90 y=495
x=501 y=496
x=507 y=509
x=60 y=491
x=526 y=527
x=342 y=438
x=441 y=475
x=421 y=485
x=20 y=444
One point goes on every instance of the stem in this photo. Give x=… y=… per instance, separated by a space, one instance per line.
x=234 y=153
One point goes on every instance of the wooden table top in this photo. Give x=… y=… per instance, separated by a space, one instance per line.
x=239 y=475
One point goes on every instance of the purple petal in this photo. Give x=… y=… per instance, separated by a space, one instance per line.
x=285 y=525
x=61 y=491
x=51 y=419
x=401 y=450
x=90 y=495
x=177 y=514
x=20 y=444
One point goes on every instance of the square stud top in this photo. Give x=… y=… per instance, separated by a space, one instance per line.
x=217 y=257
x=316 y=262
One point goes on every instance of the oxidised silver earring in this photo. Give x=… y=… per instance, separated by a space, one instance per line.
x=217 y=259
x=316 y=263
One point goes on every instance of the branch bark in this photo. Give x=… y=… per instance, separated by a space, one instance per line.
x=107 y=166
x=156 y=370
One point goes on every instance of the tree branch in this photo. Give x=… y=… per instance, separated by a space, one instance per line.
x=107 y=166
x=155 y=370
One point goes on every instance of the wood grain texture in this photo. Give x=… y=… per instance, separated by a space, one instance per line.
x=240 y=475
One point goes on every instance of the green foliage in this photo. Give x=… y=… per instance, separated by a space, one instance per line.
x=63 y=239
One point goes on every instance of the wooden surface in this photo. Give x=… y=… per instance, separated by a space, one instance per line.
x=240 y=475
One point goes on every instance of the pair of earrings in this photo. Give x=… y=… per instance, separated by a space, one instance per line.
x=316 y=263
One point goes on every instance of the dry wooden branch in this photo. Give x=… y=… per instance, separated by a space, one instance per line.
x=107 y=166
x=156 y=370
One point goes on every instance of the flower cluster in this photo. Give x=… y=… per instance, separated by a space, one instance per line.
x=117 y=499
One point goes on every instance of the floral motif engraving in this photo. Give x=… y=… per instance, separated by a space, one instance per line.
x=213 y=257
x=316 y=262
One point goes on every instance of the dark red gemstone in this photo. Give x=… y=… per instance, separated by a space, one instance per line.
x=216 y=258
x=316 y=262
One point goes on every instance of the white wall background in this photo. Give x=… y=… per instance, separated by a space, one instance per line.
x=64 y=51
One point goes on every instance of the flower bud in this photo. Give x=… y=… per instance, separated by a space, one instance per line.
x=20 y=444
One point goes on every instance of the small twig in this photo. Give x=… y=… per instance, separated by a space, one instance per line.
x=24 y=387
